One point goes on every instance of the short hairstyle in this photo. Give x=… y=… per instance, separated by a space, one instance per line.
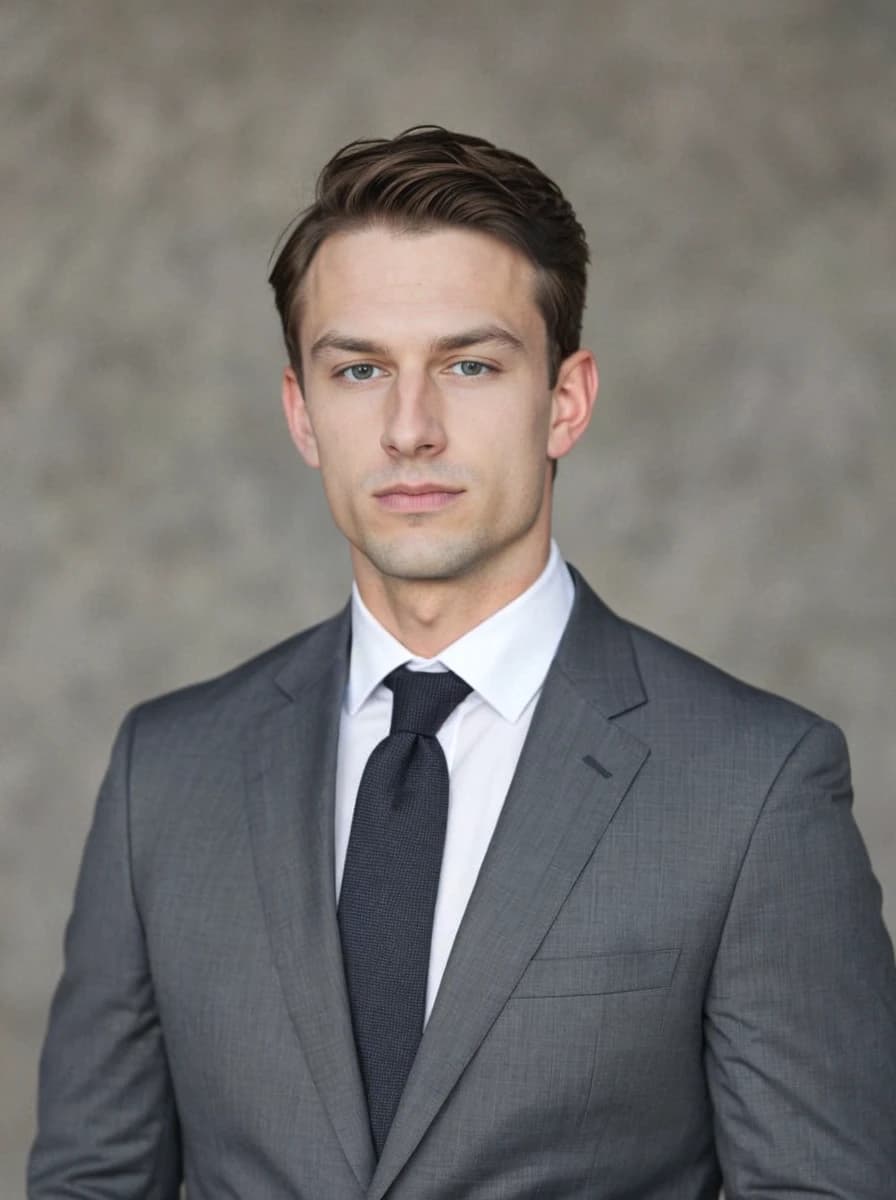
x=429 y=178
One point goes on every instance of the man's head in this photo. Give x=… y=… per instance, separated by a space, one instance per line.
x=430 y=178
x=431 y=300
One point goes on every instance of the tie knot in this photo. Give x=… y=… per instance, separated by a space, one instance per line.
x=424 y=700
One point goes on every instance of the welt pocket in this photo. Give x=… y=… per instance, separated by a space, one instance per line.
x=597 y=974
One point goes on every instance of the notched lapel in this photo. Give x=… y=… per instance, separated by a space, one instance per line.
x=290 y=780
x=575 y=769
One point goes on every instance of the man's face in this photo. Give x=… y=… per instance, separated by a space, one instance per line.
x=426 y=402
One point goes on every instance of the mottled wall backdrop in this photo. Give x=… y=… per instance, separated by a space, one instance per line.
x=734 y=162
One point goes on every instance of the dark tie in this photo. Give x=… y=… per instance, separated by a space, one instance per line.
x=389 y=885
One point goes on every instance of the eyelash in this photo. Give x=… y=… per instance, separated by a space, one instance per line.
x=486 y=369
x=343 y=372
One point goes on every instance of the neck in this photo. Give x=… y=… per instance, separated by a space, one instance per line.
x=426 y=615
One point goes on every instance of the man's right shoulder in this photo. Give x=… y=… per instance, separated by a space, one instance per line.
x=246 y=691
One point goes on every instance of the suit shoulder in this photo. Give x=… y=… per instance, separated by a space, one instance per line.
x=678 y=678
x=243 y=690
x=701 y=719
x=668 y=690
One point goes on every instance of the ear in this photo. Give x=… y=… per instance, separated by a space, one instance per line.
x=297 y=418
x=572 y=402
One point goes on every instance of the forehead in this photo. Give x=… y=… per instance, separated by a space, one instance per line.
x=382 y=282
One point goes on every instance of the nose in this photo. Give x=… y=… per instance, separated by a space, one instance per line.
x=413 y=426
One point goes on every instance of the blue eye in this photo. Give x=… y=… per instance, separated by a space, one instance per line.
x=359 y=372
x=470 y=368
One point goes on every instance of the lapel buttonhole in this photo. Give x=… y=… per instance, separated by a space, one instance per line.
x=592 y=762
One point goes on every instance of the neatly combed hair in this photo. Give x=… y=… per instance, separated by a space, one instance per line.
x=429 y=178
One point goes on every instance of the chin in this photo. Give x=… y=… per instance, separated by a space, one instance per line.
x=427 y=557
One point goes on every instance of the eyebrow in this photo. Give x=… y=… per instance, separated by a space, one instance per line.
x=481 y=334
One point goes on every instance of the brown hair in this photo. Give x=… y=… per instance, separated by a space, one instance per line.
x=429 y=177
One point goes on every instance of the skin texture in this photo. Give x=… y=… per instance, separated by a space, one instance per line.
x=425 y=404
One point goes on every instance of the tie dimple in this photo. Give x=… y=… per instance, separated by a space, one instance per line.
x=424 y=700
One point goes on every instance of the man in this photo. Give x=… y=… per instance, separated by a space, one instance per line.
x=474 y=890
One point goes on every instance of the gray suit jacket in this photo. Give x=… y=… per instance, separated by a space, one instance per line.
x=672 y=970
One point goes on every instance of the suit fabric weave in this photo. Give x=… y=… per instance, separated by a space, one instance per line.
x=672 y=971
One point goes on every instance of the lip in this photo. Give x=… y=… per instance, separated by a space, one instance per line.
x=416 y=489
x=417 y=497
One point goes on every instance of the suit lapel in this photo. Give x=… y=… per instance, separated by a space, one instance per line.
x=290 y=777
x=574 y=770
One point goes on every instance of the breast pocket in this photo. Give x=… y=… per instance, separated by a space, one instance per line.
x=597 y=974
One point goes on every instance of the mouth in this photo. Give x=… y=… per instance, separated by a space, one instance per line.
x=417 y=497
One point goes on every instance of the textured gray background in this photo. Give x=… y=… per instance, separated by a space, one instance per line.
x=735 y=166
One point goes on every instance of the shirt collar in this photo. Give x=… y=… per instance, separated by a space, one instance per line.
x=504 y=659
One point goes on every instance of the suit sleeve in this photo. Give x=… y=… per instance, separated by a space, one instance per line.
x=107 y=1124
x=800 y=1018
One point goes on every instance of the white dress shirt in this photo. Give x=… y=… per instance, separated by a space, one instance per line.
x=505 y=660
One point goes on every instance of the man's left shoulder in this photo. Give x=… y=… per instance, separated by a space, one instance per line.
x=710 y=712
x=668 y=693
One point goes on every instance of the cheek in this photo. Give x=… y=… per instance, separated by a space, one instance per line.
x=504 y=429
x=337 y=472
x=342 y=446
x=515 y=445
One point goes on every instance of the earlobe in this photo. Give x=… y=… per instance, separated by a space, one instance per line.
x=572 y=402
x=297 y=418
